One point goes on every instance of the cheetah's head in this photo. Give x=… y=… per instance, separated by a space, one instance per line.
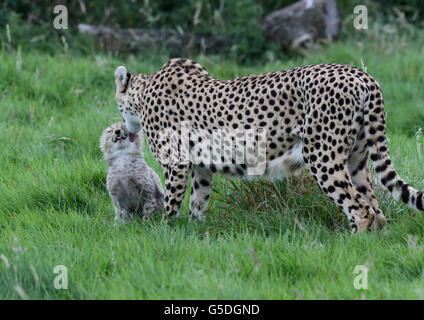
x=128 y=88
x=115 y=140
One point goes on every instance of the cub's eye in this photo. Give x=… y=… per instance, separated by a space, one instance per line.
x=109 y=131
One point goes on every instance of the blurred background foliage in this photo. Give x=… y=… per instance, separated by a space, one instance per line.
x=30 y=22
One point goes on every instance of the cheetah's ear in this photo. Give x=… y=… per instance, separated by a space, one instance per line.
x=122 y=76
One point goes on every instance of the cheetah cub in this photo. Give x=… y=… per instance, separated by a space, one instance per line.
x=133 y=186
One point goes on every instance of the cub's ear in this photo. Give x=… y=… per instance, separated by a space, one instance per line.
x=121 y=78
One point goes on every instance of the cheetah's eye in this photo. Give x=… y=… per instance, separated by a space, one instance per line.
x=109 y=131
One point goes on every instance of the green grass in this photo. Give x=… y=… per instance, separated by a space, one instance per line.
x=260 y=241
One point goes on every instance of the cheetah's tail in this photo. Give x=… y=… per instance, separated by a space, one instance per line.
x=375 y=133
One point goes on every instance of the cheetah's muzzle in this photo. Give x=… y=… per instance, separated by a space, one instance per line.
x=132 y=137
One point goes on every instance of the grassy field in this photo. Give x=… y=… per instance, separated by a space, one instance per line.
x=260 y=241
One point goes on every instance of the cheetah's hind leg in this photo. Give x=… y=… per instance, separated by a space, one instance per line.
x=360 y=175
x=333 y=178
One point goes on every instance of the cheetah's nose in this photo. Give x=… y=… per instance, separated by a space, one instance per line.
x=117 y=132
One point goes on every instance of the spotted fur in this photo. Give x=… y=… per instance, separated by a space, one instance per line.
x=328 y=117
x=132 y=185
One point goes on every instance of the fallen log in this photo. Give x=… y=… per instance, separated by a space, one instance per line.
x=178 y=42
x=303 y=22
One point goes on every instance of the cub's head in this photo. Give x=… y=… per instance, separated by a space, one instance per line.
x=116 y=140
x=128 y=94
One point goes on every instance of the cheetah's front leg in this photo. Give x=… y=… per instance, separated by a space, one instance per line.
x=201 y=184
x=121 y=214
x=149 y=207
x=176 y=181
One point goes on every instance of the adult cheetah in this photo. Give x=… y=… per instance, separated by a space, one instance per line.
x=329 y=117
